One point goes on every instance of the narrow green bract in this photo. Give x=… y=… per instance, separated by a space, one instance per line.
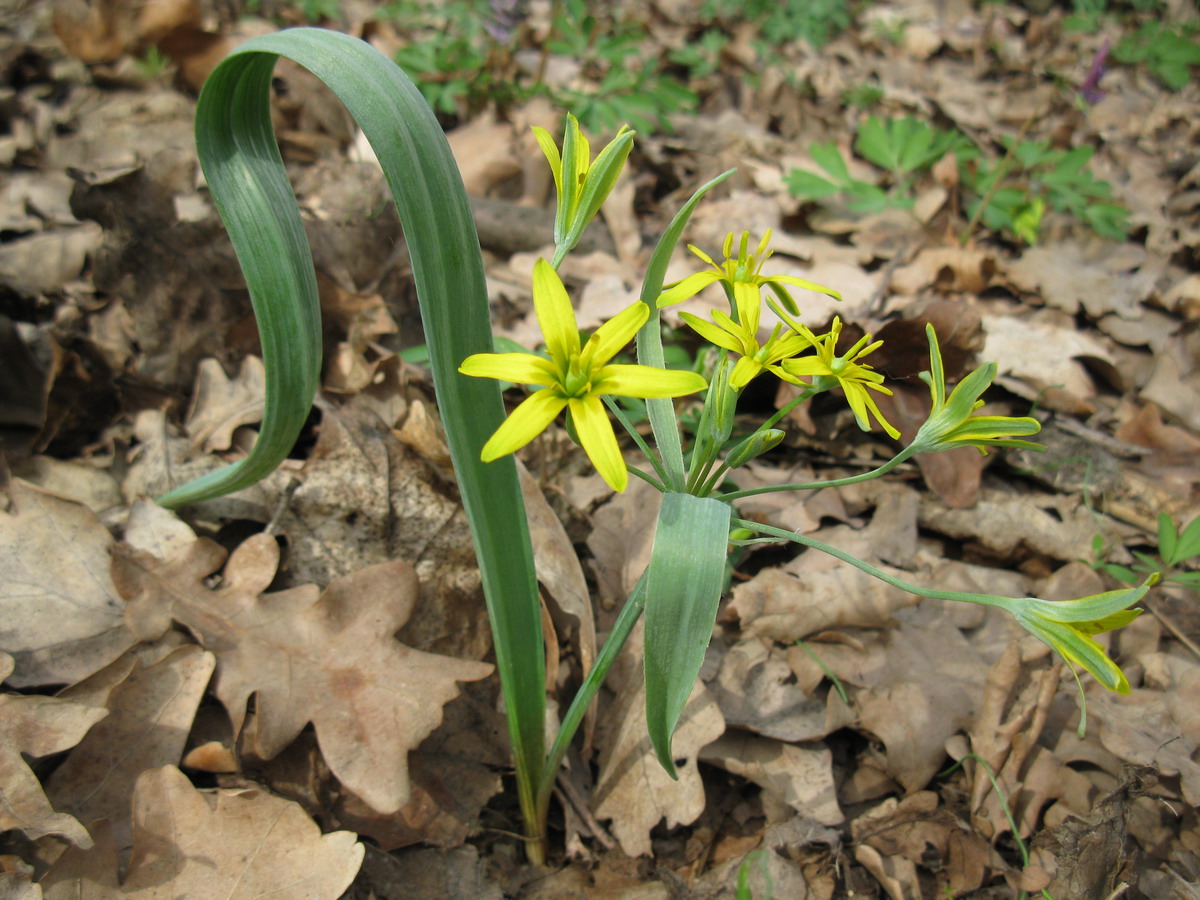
x=683 y=588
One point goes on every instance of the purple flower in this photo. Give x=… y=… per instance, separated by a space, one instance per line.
x=1090 y=91
x=503 y=19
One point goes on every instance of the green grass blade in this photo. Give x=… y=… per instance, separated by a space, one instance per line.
x=250 y=187
x=683 y=587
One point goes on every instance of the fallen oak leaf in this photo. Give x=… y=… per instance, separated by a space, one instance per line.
x=150 y=714
x=60 y=615
x=37 y=726
x=229 y=844
x=329 y=659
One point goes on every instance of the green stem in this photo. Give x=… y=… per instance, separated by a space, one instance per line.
x=835 y=482
x=622 y=628
x=712 y=482
x=984 y=599
x=616 y=410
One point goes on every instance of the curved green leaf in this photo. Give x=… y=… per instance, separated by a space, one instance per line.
x=250 y=188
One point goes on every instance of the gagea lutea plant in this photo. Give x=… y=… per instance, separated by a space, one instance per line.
x=680 y=589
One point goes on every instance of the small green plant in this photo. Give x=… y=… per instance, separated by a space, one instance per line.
x=905 y=148
x=461 y=59
x=864 y=95
x=153 y=63
x=815 y=21
x=1033 y=177
x=1168 y=51
x=701 y=57
x=1175 y=549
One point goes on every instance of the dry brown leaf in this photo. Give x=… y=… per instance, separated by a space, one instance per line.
x=331 y=660
x=621 y=539
x=60 y=615
x=229 y=844
x=815 y=591
x=18 y=886
x=1175 y=383
x=800 y=776
x=957 y=270
x=45 y=262
x=1068 y=278
x=95 y=488
x=756 y=690
x=221 y=405
x=150 y=714
x=37 y=726
x=1044 y=351
x=633 y=789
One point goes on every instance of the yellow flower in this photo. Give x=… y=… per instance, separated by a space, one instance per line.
x=575 y=378
x=742 y=274
x=582 y=184
x=741 y=337
x=830 y=370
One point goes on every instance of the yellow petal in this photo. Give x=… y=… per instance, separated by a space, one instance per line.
x=748 y=298
x=687 y=288
x=647 y=381
x=744 y=372
x=860 y=401
x=704 y=256
x=554 y=314
x=596 y=435
x=807 y=285
x=712 y=333
x=550 y=149
x=614 y=334
x=522 y=368
x=806 y=366
x=526 y=422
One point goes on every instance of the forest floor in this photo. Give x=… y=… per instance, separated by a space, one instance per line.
x=168 y=718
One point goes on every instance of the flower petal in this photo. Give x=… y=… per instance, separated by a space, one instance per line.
x=747 y=297
x=746 y=370
x=687 y=288
x=596 y=435
x=648 y=381
x=807 y=285
x=806 y=366
x=525 y=423
x=550 y=149
x=860 y=402
x=554 y=314
x=712 y=333
x=522 y=368
x=614 y=334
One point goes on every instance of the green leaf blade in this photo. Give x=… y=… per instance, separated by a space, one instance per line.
x=683 y=587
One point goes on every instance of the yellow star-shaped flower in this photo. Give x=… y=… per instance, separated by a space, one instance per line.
x=575 y=378
x=829 y=370
x=743 y=276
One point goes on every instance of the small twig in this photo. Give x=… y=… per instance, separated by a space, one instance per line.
x=1170 y=625
x=568 y=794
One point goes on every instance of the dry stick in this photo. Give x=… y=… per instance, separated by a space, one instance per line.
x=567 y=793
x=1170 y=625
x=1001 y=173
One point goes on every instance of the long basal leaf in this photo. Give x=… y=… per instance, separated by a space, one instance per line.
x=683 y=588
x=250 y=187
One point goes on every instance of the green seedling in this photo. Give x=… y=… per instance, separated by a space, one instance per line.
x=1170 y=52
x=904 y=148
x=1033 y=177
x=1176 y=549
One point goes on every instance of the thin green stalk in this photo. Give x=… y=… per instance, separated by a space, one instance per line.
x=619 y=413
x=985 y=599
x=611 y=649
x=835 y=482
x=649 y=340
